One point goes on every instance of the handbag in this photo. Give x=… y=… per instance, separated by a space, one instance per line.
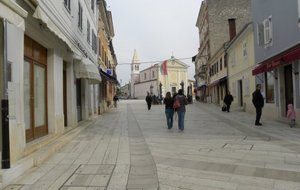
x=224 y=107
x=176 y=104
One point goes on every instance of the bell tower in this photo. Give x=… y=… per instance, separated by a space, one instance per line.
x=135 y=73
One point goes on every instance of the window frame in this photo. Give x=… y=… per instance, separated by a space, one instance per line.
x=268 y=31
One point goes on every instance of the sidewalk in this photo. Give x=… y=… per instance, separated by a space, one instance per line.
x=274 y=129
x=39 y=151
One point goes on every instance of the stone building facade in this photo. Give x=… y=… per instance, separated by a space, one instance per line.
x=213 y=29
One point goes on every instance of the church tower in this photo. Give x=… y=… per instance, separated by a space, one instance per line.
x=135 y=73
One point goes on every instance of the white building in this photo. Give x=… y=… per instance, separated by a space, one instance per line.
x=169 y=75
x=50 y=59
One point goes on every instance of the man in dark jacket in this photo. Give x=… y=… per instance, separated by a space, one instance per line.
x=149 y=100
x=227 y=100
x=258 y=102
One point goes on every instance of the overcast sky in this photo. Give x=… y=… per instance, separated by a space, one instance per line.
x=156 y=29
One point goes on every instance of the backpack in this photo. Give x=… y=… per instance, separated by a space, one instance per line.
x=176 y=104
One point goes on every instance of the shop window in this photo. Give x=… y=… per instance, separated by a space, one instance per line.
x=269 y=87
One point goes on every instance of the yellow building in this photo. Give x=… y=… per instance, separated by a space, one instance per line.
x=240 y=58
x=107 y=58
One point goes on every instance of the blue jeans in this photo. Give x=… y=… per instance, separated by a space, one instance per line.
x=169 y=115
x=181 y=120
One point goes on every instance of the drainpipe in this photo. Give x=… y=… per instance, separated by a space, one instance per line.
x=4 y=106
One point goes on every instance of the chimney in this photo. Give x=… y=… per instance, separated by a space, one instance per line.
x=232 y=29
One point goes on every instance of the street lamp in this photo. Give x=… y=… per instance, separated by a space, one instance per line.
x=182 y=86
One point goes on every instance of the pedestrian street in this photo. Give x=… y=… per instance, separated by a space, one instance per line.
x=131 y=148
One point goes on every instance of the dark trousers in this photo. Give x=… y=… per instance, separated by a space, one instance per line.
x=258 y=115
x=227 y=107
x=149 y=106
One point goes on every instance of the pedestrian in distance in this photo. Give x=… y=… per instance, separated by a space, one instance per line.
x=291 y=114
x=227 y=100
x=169 y=110
x=258 y=102
x=116 y=99
x=149 y=100
x=181 y=109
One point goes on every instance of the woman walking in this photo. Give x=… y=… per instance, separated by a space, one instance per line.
x=181 y=110
x=169 y=111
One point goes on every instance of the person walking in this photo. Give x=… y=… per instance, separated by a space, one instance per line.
x=181 y=110
x=258 y=102
x=169 y=110
x=227 y=100
x=149 y=100
x=291 y=114
x=116 y=98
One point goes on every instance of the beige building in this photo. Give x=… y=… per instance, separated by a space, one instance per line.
x=240 y=53
x=167 y=76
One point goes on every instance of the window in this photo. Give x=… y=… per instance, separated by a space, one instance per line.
x=245 y=52
x=94 y=42
x=145 y=76
x=88 y=35
x=67 y=5
x=221 y=64
x=153 y=74
x=268 y=33
x=79 y=16
x=269 y=87
x=93 y=5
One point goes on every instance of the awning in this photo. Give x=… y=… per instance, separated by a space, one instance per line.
x=214 y=83
x=15 y=14
x=108 y=77
x=86 y=69
x=42 y=15
x=279 y=60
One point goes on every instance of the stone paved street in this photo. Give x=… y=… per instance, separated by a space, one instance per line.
x=131 y=148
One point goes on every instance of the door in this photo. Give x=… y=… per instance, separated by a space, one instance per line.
x=289 y=93
x=78 y=99
x=241 y=101
x=174 y=90
x=65 y=97
x=35 y=99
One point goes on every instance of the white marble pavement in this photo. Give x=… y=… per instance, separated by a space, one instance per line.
x=131 y=148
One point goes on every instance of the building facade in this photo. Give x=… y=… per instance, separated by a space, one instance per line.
x=277 y=54
x=212 y=24
x=240 y=61
x=107 y=58
x=167 y=76
x=50 y=73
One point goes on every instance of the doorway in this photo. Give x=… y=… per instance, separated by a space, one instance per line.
x=289 y=92
x=35 y=89
x=78 y=99
x=240 y=93
x=65 y=97
x=35 y=99
x=173 y=90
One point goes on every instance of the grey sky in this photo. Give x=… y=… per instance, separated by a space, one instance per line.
x=156 y=29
